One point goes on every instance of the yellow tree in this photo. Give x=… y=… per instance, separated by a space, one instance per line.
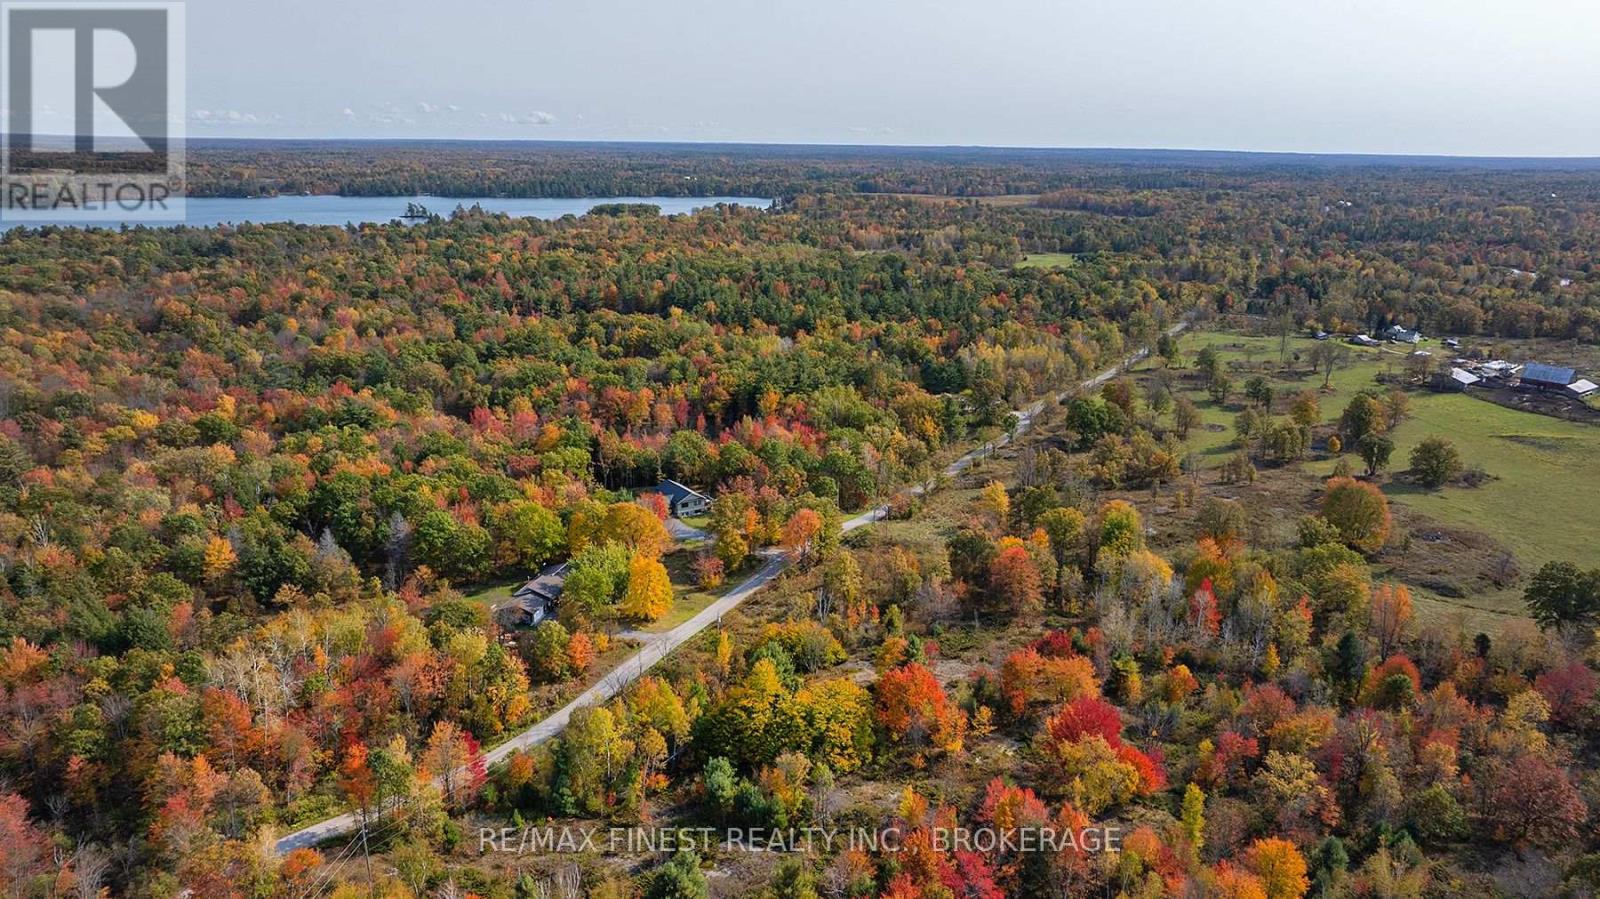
x=1359 y=512
x=219 y=559
x=448 y=753
x=1194 y=820
x=649 y=593
x=1121 y=529
x=838 y=714
x=637 y=528
x=1280 y=866
x=724 y=654
x=996 y=502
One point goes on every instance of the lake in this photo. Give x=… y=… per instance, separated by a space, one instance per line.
x=206 y=212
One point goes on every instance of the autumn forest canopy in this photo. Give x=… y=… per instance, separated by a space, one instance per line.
x=268 y=492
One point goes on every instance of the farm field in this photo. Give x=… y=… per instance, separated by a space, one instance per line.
x=1544 y=485
x=1542 y=489
x=1048 y=260
x=1213 y=441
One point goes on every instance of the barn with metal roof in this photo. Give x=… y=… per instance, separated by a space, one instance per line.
x=1546 y=377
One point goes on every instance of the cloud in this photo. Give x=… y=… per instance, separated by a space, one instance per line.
x=426 y=108
x=383 y=115
x=222 y=118
x=533 y=118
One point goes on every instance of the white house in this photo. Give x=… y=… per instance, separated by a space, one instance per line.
x=683 y=501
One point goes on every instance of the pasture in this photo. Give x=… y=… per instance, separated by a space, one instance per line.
x=1544 y=473
x=1048 y=260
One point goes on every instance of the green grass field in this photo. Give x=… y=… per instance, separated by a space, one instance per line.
x=494 y=594
x=1546 y=484
x=1048 y=260
x=687 y=602
x=1213 y=441
x=1545 y=480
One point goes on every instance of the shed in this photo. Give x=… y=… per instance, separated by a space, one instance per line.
x=1583 y=387
x=683 y=501
x=1454 y=381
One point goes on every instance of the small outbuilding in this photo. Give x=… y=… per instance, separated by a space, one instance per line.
x=1458 y=379
x=1582 y=388
x=683 y=501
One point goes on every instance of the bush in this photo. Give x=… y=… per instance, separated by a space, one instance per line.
x=1375 y=450
x=722 y=784
x=1359 y=511
x=547 y=651
x=902 y=507
x=809 y=645
x=679 y=878
x=1435 y=462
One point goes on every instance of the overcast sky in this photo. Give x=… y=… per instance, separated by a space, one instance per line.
x=1475 y=77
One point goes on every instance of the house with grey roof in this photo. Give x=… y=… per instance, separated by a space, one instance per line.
x=535 y=600
x=683 y=501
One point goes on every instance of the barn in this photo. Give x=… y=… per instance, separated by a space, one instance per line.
x=1537 y=376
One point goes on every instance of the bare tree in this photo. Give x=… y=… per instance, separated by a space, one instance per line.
x=399 y=550
x=89 y=866
x=567 y=882
x=1327 y=356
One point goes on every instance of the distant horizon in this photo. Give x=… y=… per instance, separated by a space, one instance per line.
x=826 y=145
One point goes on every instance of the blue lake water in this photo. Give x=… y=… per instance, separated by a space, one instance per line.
x=205 y=212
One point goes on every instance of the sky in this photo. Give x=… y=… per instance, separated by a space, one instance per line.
x=1458 y=77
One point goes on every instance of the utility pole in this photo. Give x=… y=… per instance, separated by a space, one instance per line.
x=372 y=886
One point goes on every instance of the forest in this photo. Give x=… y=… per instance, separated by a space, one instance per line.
x=264 y=491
